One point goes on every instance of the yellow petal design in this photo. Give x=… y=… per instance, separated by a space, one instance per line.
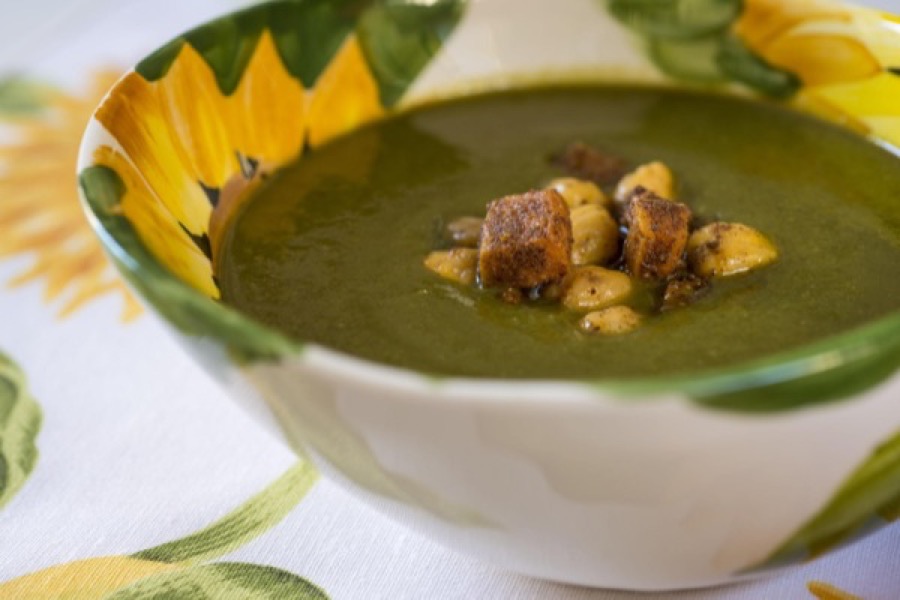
x=821 y=59
x=876 y=96
x=882 y=35
x=812 y=102
x=154 y=224
x=267 y=112
x=91 y=579
x=180 y=132
x=764 y=20
x=135 y=118
x=872 y=103
x=194 y=108
x=345 y=96
x=817 y=40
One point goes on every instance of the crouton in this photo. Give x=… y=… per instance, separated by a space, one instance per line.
x=526 y=240
x=683 y=289
x=657 y=235
x=583 y=161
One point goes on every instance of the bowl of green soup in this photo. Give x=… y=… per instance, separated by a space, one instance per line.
x=604 y=292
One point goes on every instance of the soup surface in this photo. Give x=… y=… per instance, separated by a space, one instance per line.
x=330 y=249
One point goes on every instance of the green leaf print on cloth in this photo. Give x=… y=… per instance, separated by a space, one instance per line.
x=172 y=570
x=21 y=96
x=256 y=516
x=222 y=581
x=20 y=421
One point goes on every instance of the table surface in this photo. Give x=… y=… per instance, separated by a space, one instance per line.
x=131 y=473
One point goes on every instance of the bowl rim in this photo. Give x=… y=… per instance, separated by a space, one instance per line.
x=248 y=340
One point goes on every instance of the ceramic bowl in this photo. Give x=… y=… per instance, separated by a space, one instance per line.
x=639 y=484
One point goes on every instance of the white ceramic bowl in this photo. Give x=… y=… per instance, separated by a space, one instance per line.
x=650 y=484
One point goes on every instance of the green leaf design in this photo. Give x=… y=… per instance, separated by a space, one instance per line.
x=689 y=40
x=873 y=487
x=157 y=64
x=22 y=96
x=256 y=516
x=20 y=422
x=400 y=37
x=222 y=581
x=225 y=44
x=740 y=64
x=691 y=60
x=675 y=19
x=308 y=34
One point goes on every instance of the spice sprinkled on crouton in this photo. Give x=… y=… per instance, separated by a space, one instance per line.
x=562 y=246
x=526 y=240
x=658 y=231
x=683 y=289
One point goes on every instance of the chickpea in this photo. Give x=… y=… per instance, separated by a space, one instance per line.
x=595 y=235
x=458 y=264
x=614 y=320
x=723 y=249
x=654 y=176
x=579 y=192
x=592 y=288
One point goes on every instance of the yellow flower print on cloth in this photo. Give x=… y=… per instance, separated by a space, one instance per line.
x=39 y=211
x=826 y=591
x=200 y=121
x=180 y=568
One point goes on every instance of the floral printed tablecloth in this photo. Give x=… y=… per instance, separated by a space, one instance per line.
x=124 y=471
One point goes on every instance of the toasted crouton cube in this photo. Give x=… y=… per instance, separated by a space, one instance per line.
x=526 y=240
x=580 y=160
x=683 y=289
x=657 y=235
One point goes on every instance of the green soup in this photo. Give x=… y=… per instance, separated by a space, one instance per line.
x=330 y=249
